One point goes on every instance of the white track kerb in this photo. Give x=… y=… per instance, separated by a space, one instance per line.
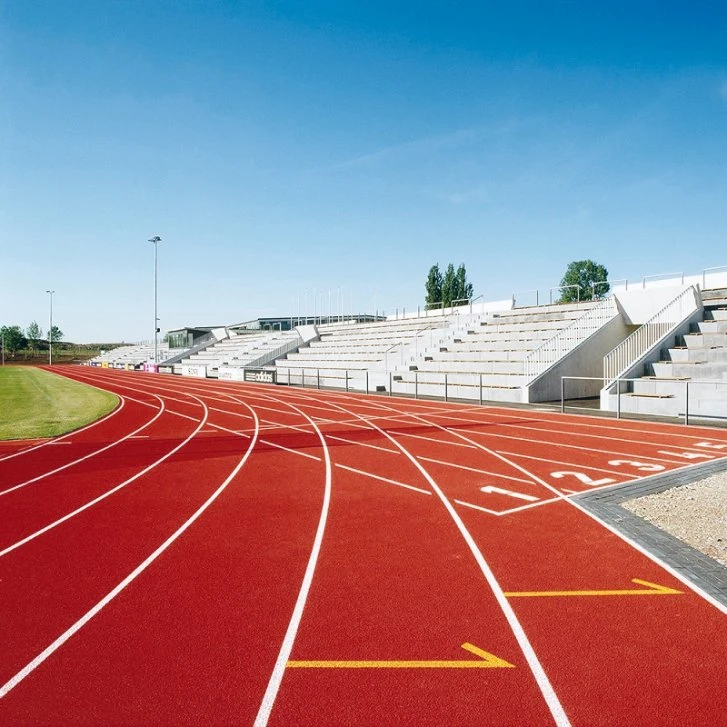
x=55 y=440
x=40 y=658
x=91 y=454
x=551 y=698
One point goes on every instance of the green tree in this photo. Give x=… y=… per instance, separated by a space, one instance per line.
x=56 y=334
x=433 y=286
x=12 y=339
x=449 y=286
x=583 y=273
x=463 y=289
x=33 y=333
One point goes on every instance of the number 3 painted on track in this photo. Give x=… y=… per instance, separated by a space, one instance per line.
x=584 y=478
x=641 y=466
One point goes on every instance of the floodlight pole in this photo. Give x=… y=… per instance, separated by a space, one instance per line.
x=156 y=239
x=50 y=329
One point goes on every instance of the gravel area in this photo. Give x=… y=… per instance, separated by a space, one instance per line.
x=694 y=513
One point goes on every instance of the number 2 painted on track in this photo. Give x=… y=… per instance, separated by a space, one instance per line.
x=584 y=478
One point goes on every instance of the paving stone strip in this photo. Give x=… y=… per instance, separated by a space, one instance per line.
x=654 y=497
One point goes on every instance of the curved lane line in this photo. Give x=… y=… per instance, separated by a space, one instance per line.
x=69 y=434
x=546 y=689
x=569 y=499
x=110 y=492
x=40 y=658
x=276 y=677
x=87 y=456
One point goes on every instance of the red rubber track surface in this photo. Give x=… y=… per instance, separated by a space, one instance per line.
x=221 y=553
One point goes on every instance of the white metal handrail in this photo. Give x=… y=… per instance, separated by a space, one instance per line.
x=287 y=347
x=568 y=338
x=657 y=327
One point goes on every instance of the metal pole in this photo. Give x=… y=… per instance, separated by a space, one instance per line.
x=50 y=331
x=318 y=378
x=480 y=389
x=618 y=398
x=346 y=380
x=155 y=240
x=562 y=394
x=391 y=382
x=446 y=398
x=416 y=384
x=686 y=403
x=367 y=381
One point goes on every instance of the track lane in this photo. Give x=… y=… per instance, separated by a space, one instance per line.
x=553 y=625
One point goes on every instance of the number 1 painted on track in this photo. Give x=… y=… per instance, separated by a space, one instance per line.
x=501 y=491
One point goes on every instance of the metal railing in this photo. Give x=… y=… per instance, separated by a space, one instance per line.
x=680 y=401
x=284 y=348
x=710 y=270
x=656 y=328
x=662 y=275
x=563 y=342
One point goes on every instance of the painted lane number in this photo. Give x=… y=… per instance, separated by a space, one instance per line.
x=584 y=478
x=501 y=491
x=641 y=466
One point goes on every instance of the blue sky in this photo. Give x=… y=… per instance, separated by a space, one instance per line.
x=282 y=146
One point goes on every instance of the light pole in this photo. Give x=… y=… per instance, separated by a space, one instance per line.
x=50 y=329
x=155 y=240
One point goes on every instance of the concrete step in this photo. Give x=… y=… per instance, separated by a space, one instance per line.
x=705 y=340
x=691 y=369
x=681 y=355
x=711 y=327
x=715 y=314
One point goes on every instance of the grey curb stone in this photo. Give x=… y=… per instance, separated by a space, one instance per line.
x=699 y=569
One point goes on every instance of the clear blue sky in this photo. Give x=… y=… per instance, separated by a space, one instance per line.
x=279 y=146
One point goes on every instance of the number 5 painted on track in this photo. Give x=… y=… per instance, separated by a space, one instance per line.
x=641 y=466
x=584 y=478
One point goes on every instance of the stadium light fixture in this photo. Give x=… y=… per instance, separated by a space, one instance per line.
x=50 y=329
x=156 y=239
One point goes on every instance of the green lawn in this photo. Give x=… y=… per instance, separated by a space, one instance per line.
x=36 y=403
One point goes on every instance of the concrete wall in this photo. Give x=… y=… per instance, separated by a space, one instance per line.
x=638 y=306
x=584 y=360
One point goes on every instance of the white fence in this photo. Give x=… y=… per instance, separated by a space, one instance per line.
x=656 y=328
x=547 y=354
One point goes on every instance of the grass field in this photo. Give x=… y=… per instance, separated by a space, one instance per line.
x=35 y=403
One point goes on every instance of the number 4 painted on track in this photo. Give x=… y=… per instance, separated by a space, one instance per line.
x=501 y=491
x=584 y=478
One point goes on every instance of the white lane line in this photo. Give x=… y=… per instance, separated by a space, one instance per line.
x=88 y=456
x=512 y=510
x=361 y=444
x=475 y=469
x=525 y=423
x=569 y=499
x=56 y=440
x=278 y=425
x=276 y=677
x=562 y=445
x=546 y=689
x=577 y=465
x=383 y=479
x=106 y=494
x=40 y=658
x=55 y=444
x=288 y=449
x=431 y=439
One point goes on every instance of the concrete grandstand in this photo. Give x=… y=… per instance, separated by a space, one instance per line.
x=645 y=348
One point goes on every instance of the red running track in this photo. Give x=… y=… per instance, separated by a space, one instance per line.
x=220 y=553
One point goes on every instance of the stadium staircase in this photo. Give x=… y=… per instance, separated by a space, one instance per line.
x=686 y=366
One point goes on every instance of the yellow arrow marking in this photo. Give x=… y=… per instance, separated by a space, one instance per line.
x=486 y=661
x=652 y=589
